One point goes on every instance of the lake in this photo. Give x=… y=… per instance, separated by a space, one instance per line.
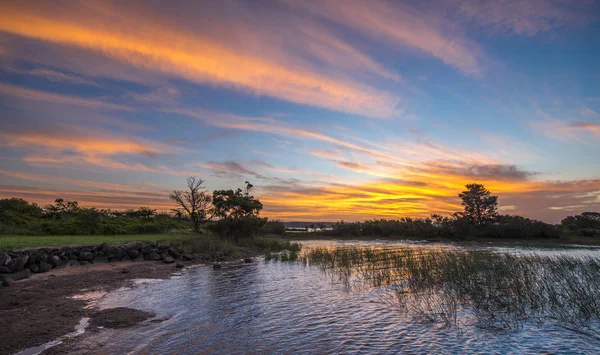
x=289 y=307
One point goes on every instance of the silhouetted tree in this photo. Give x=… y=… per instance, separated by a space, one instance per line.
x=481 y=208
x=62 y=207
x=195 y=201
x=236 y=203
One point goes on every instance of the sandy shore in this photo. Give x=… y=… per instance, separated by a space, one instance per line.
x=40 y=309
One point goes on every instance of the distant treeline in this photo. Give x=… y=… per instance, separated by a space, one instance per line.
x=505 y=226
x=19 y=217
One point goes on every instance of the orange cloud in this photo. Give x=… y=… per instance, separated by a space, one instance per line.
x=146 y=44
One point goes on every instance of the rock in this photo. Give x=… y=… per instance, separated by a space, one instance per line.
x=19 y=275
x=4 y=259
x=6 y=281
x=86 y=256
x=154 y=256
x=5 y=270
x=18 y=263
x=139 y=258
x=175 y=254
x=44 y=257
x=125 y=258
x=73 y=263
x=120 y=254
x=163 y=255
x=84 y=263
x=101 y=260
x=169 y=259
x=179 y=265
x=217 y=266
x=110 y=250
x=133 y=253
x=44 y=267
x=188 y=257
x=125 y=271
x=147 y=249
x=34 y=268
x=248 y=260
x=54 y=260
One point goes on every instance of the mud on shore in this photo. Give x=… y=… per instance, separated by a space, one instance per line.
x=40 y=309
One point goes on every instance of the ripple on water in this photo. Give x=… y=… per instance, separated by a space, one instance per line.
x=288 y=308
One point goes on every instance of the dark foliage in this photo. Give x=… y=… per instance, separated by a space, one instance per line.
x=18 y=217
x=586 y=224
x=273 y=227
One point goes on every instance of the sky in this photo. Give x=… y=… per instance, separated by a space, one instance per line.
x=333 y=109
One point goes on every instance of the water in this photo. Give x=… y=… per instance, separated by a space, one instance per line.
x=277 y=307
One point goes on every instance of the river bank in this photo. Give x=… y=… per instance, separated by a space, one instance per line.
x=45 y=306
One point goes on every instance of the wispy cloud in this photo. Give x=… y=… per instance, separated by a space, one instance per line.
x=55 y=76
x=402 y=25
x=525 y=17
x=146 y=44
x=29 y=94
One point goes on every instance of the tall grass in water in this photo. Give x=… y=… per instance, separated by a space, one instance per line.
x=496 y=290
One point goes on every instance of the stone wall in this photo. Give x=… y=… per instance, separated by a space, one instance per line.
x=20 y=264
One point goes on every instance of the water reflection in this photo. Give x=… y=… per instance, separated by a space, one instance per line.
x=276 y=307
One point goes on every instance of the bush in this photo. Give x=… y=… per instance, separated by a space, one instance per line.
x=273 y=227
x=238 y=228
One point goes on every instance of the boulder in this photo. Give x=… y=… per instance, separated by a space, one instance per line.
x=120 y=254
x=147 y=249
x=86 y=256
x=34 y=268
x=5 y=270
x=84 y=263
x=54 y=260
x=154 y=256
x=133 y=253
x=44 y=257
x=168 y=259
x=6 y=281
x=125 y=258
x=248 y=260
x=72 y=263
x=18 y=263
x=188 y=257
x=179 y=265
x=4 y=259
x=175 y=254
x=101 y=260
x=19 y=275
x=110 y=250
x=139 y=258
x=44 y=267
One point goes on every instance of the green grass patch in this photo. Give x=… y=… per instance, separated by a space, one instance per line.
x=20 y=242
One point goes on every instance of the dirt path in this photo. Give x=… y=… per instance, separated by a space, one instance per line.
x=39 y=309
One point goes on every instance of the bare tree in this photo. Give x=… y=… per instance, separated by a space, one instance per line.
x=195 y=201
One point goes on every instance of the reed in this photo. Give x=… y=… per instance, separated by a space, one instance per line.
x=492 y=290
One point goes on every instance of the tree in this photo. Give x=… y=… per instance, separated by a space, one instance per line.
x=239 y=213
x=62 y=208
x=481 y=208
x=195 y=201
x=236 y=204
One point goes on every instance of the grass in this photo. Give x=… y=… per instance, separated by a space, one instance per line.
x=19 y=242
x=491 y=290
x=225 y=249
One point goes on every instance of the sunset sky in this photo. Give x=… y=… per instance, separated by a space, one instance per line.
x=332 y=109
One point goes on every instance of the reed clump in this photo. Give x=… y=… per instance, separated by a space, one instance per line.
x=492 y=290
